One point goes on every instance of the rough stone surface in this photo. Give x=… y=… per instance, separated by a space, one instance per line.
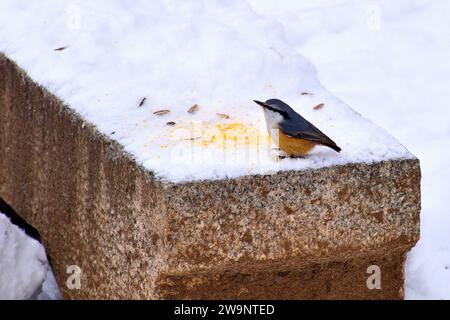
x=302 y=235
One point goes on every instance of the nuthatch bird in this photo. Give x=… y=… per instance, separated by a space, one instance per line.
x=292 y=133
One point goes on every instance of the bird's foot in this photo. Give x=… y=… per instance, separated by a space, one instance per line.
x=278 y=155
x=282 y=156
x=297 y=157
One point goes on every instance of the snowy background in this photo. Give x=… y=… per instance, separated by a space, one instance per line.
x=388 y=61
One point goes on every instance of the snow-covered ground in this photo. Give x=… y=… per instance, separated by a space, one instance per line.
x=386 y=59
x=23 y=263
x=218 y=55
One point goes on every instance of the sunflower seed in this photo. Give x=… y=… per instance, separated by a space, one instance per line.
x=161 y=112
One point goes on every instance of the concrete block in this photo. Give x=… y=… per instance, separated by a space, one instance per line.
x=307 y=234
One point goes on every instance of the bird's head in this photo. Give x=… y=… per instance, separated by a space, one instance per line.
x=275 y=111
x=275 y=106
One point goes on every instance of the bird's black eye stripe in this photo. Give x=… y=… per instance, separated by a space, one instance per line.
x=283 y=113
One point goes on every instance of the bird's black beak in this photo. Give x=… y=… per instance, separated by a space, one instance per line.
x=262 y=104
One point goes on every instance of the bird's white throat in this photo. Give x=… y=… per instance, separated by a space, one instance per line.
x=273 y=119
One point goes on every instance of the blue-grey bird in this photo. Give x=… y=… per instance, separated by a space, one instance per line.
x=292 y=133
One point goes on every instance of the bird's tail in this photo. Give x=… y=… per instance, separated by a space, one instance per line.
x=333 y=146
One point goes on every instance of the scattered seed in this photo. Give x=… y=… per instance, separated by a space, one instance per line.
x=192 y=139
x=61 y=48
x=193 y=109
x=319 y=106
x=170 y=123
x=306 y=94
x=223 y=115
x=113 y=132
x=142 y=102
x=161 y=112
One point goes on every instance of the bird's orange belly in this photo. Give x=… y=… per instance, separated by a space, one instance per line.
x=293 y=146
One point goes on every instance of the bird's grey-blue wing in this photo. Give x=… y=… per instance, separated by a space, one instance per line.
x=299 y=127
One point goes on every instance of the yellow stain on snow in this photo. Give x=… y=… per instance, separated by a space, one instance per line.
x=218 y=134
x=223 y=135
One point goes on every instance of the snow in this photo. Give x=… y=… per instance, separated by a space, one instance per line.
x=219 y=55
x=23 y=263
x=387 y=59
x=49 y=289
